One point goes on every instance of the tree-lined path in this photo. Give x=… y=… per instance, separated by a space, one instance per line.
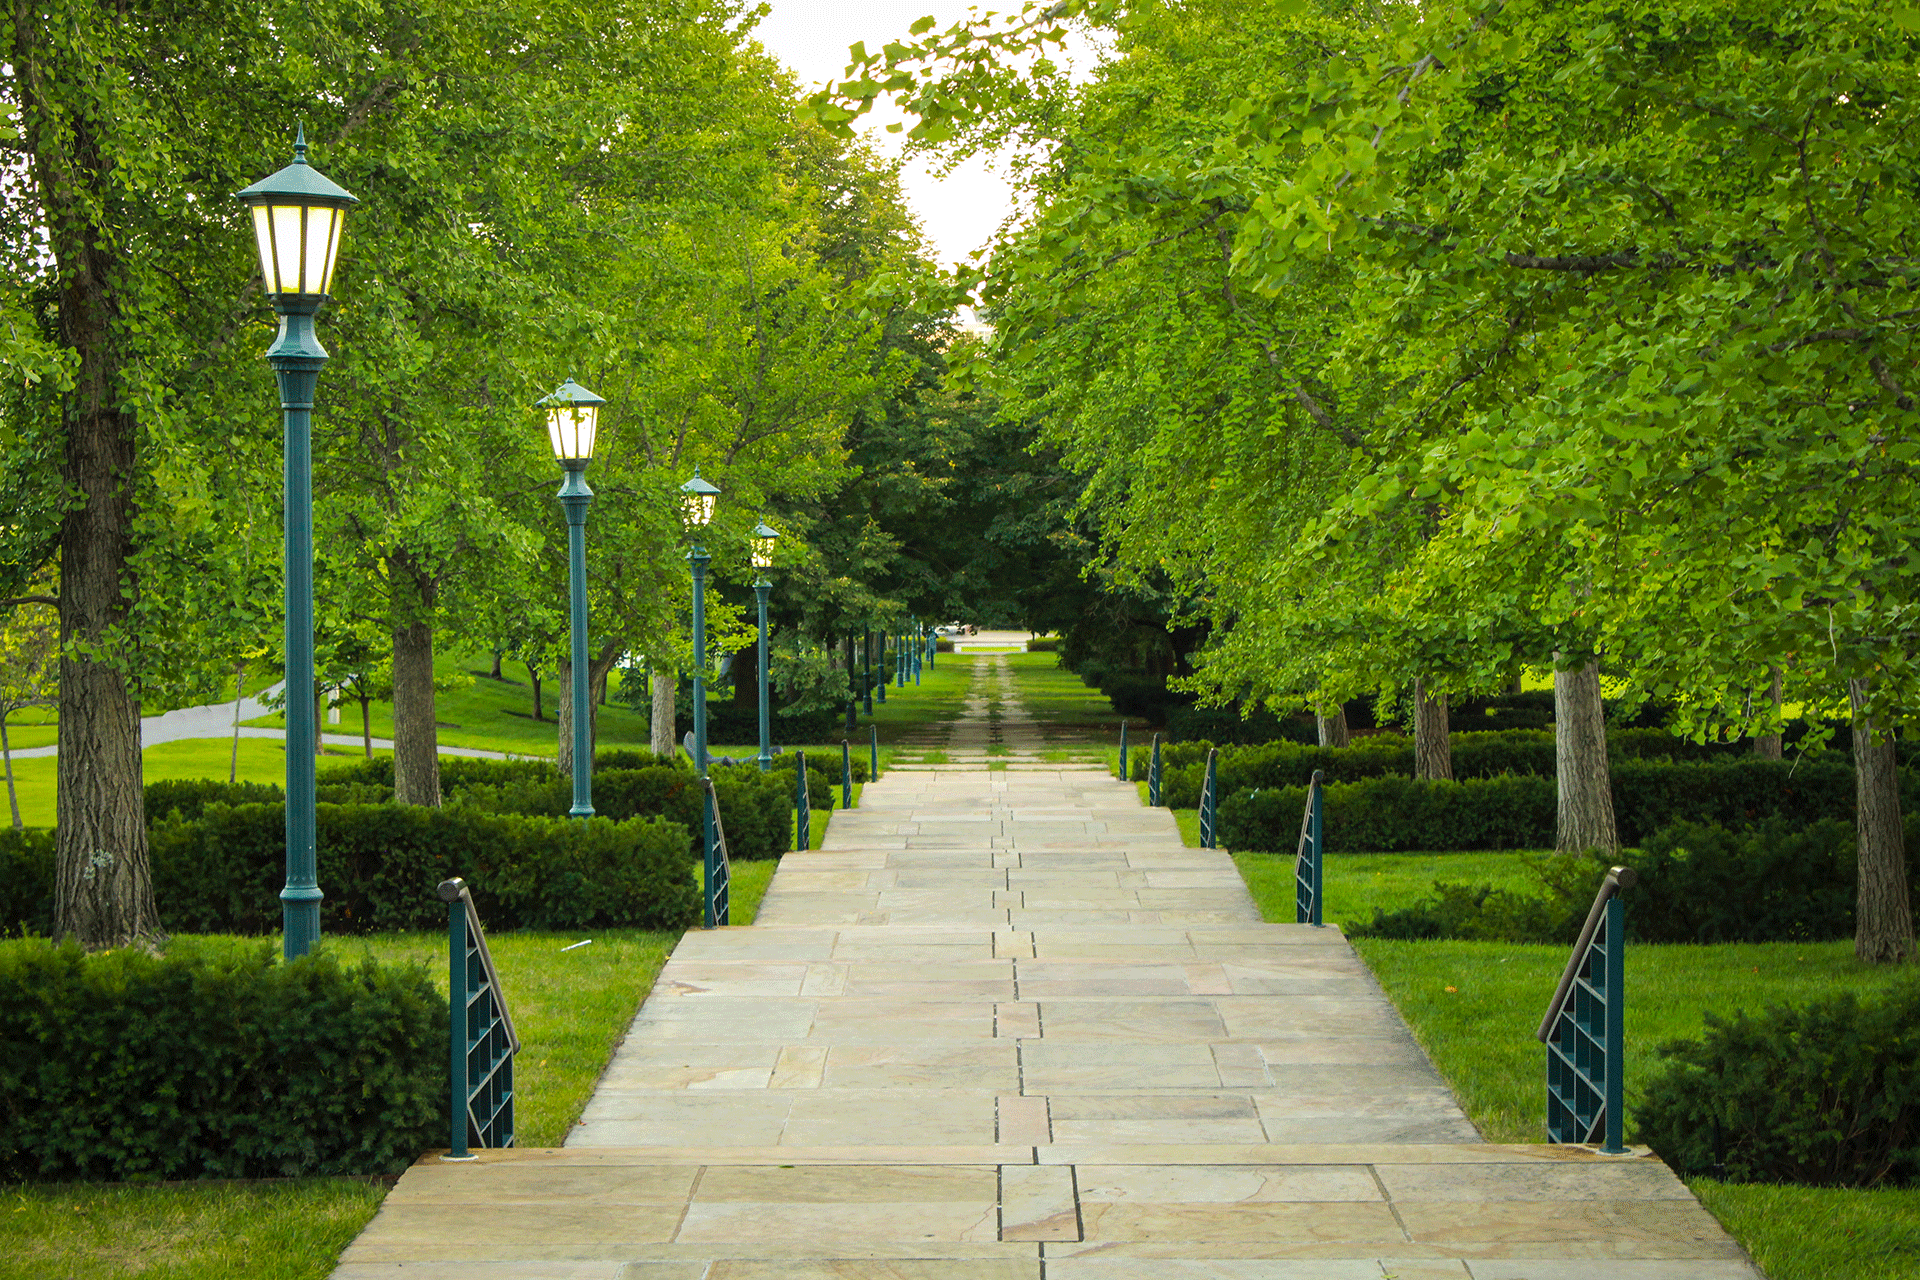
x=1006 y=1026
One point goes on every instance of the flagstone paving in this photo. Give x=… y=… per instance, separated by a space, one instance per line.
x=1005 y=1026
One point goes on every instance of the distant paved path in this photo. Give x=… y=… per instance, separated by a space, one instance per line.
x=1004 y=1026
x=216 y=721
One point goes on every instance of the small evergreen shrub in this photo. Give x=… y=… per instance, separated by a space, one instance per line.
x=126 y=1066
x=1394 y=814
x=189 y=796
x=1780 y=881
x=1826 y=1094
x=748 y=802
x=823 y=767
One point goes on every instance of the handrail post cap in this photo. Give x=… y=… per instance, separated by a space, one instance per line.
x=450 y=890
x=1624 y=877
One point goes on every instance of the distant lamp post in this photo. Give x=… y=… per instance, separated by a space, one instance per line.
x=697 y=500
x=573 y=422
x=764 y=538
x=297 y=216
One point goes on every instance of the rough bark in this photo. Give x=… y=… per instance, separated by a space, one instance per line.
x=6 y=761
x=746 y=678
x=1432 y=743
x=1580 y=757
x=495 y=673
x=663 y=682
x=366 y=720
x=1768 y=745
x=416 y=741
x=533 y=678
x=1333 y=728
x=103 y=894
x=1517 y=685
x=239 y=693
x=1882 y=917
x=597 y=668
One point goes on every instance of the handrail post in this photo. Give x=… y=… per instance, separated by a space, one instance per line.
x=1153 y=773
x=719 y=886
x=846 y=774
x=1123 y=751
x=873 y=753
x=457 y=1028
x=1209 y=804
x=1585 y=1025
x=802 y=818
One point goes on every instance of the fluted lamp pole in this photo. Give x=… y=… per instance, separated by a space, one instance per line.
x=697 y=500
x=764 y=538
x=297 y=216
x=573 y=425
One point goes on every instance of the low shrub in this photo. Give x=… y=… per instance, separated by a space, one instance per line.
x=1141 y=696
x=126 y=1066
x=456 y=772
x=378 y=864
x=1226 y=724
x=824 y=766
x=752 y=805
x=26 y=881
x=1044 y=644
x=632 y=758
x=1391 y=814
x=1780 y=881
x=189 y=796
x=1826 y=1094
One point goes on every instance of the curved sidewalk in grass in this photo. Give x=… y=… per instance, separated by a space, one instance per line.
x=1005 y=1026
x=216 y=721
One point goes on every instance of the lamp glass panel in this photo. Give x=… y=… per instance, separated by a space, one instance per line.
x=762 y=553
x=263 y=240
x=321 y=220
x=287 y=239
x=572 y=428
x=698 y=508
x=333 y=250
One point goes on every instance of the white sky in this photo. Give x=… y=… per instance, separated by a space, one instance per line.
x=959 y=212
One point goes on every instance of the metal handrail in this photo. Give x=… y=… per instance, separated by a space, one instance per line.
x=1123 y=751
x=846 y=774
x=719 y=894
x=1209 y=804
x=802 y=803
x=1308 y=865
x=455 y=890
x=1618 y=878
x=1153 y=773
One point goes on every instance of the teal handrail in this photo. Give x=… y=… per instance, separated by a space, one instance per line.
x=1123 y=751
x=1153 y=773
x=720 y=889
x=1306 y=862
x=1209 y=805
x=1585 y=1028
x=873 y=753
x=802 y=814
x=481 y=1041
x=846 y=774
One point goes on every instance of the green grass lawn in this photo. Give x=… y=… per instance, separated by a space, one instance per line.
x=938 y=698
x=1059 y=701
x=1474 y=1007
x=570 y=1008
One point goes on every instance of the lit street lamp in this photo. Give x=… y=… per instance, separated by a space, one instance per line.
x=573 y=421
x=696 y=507
x=763 y=540
x=297 y=214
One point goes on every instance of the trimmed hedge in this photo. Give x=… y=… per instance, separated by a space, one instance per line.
x=1225 y=724
x=188 y=797
x=1827 y=1094
x=755 y=808
x=122 y=1065
x=378 y=864
x=823 y=764
x=26 y=881
x=1475 y=755
x=728 y=724
x=1394 y=814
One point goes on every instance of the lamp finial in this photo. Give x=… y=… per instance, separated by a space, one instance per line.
x=300 y=142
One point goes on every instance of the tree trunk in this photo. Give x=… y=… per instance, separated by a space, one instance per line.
x=853 y=700
x=1516 y=685
x=1333 y=728
x=6 y=760
x=563 y=718
x=533 y=678
x=366 y=720
x=1580 y=757
x=495 y=673
x=746 y=678
x=663 y=690
x=416 y=742
x=1768 y=745
x=1882 y=918
x=239 y=688
x=1432 y=744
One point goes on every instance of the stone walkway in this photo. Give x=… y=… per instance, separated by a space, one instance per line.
x=1005 y=1026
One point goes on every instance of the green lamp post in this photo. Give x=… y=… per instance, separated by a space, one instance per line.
x=866 y=655
x=764 y=539
x=697 y=499
x=297 y=214
x=573 y=423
